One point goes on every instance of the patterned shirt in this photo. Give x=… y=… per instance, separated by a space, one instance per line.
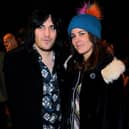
x=51 y=113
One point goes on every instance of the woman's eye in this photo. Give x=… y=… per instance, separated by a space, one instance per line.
x=82 y=33
x=73 y=36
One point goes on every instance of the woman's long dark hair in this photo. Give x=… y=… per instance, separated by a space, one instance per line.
x=97 y=55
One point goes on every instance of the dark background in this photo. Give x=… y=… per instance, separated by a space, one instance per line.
x=14 y=14
x=115 y=23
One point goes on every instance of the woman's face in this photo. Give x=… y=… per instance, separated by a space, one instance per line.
x=81 y=41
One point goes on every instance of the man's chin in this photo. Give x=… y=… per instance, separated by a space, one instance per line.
x=47 y=49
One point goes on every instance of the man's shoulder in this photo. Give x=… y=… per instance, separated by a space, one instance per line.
x=16 y=54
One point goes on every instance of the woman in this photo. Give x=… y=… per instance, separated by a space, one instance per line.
x=94 y=83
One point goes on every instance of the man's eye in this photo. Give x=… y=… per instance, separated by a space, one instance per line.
x=41 y=26
x=53 y=27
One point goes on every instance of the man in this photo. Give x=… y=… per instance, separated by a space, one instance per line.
x=34 y=76
x=3 y=94
x=10 y=42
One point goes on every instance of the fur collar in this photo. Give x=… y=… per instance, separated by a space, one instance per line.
x=113 y=70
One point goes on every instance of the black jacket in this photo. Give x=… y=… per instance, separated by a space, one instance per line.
x=102 y=105
x=24 y=87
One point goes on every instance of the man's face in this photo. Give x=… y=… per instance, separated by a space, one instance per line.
x=45 y=35
x=9 y=42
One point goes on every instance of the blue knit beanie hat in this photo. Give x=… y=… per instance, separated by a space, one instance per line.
x=87 y=22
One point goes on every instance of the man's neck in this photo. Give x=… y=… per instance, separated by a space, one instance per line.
x=48 y=57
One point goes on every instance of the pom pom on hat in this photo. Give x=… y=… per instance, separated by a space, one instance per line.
x=88 y=18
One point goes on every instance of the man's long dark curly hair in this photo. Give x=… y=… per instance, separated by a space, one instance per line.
x=36 y=20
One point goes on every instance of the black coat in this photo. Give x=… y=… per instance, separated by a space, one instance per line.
x=24 y=87
x=102 y=105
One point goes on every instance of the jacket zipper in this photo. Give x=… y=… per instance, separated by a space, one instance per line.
x=73 y=100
